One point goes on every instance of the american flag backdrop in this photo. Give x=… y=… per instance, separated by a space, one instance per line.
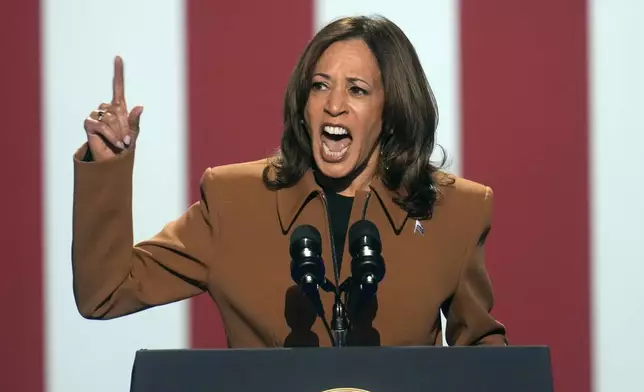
x=541 y=100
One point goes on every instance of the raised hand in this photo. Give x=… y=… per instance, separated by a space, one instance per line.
x=111 y=128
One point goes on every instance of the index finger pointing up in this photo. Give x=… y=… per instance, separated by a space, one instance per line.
x=118 y=90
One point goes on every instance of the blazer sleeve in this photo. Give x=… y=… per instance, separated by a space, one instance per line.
x=469 y=321
x=112 y=276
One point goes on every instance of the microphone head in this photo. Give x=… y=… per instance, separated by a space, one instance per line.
x=364 y=233
x=307 y=268
x=305 y=231
x=367 y=264
x=305 y=237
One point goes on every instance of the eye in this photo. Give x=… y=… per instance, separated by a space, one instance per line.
x=355 y=90
x=318 y=86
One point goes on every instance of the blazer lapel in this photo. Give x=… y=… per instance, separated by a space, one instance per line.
x=396 y=215
x=290 y=201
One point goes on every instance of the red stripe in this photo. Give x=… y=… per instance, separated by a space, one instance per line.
x=21 y=281
x=525 y=133
x=240 y=56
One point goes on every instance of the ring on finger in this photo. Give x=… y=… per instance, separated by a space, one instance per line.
x=101 y=113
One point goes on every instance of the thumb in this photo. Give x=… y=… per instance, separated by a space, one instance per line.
x=134 y=118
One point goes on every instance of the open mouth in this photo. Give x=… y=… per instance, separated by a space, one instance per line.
x=336 y=140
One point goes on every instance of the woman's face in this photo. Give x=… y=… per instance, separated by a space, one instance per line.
x=344 y=108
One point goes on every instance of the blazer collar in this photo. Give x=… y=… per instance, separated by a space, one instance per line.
x=397 y=216
x=290 y=201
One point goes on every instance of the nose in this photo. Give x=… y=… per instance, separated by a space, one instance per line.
x=336 y=103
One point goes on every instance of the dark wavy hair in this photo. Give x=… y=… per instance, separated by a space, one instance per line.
x=409 y=117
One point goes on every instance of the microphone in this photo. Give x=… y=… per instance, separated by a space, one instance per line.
x=307 y=267
x=307 y=270
x=367 y=265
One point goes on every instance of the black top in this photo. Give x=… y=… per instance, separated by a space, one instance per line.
x=339 y=213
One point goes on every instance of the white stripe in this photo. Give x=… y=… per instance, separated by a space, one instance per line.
x=433 y=28
x=80 y=40
x=617 y=137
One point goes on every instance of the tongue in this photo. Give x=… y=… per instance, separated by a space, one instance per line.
x=336 y=145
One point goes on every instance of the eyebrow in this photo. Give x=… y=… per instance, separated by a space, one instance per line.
x=350 y=79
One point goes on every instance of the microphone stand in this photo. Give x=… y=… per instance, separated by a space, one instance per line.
x=339 y=324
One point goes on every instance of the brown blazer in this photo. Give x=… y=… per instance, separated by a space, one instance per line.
x=234 y=244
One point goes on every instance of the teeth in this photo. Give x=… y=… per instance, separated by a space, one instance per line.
x=332 y=153
x=335 y=130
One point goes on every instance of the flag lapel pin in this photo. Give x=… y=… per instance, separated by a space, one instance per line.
x=418 y=228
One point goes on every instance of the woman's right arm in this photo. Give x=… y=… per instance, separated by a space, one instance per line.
x=112 y=276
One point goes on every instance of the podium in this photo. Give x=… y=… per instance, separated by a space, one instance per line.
x=373 y=369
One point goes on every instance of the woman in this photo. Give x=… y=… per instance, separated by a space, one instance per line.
x=359 y=125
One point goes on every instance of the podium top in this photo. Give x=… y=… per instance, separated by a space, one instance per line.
x=374 y=369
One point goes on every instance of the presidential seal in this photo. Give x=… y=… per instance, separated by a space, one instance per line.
x=346 y=390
